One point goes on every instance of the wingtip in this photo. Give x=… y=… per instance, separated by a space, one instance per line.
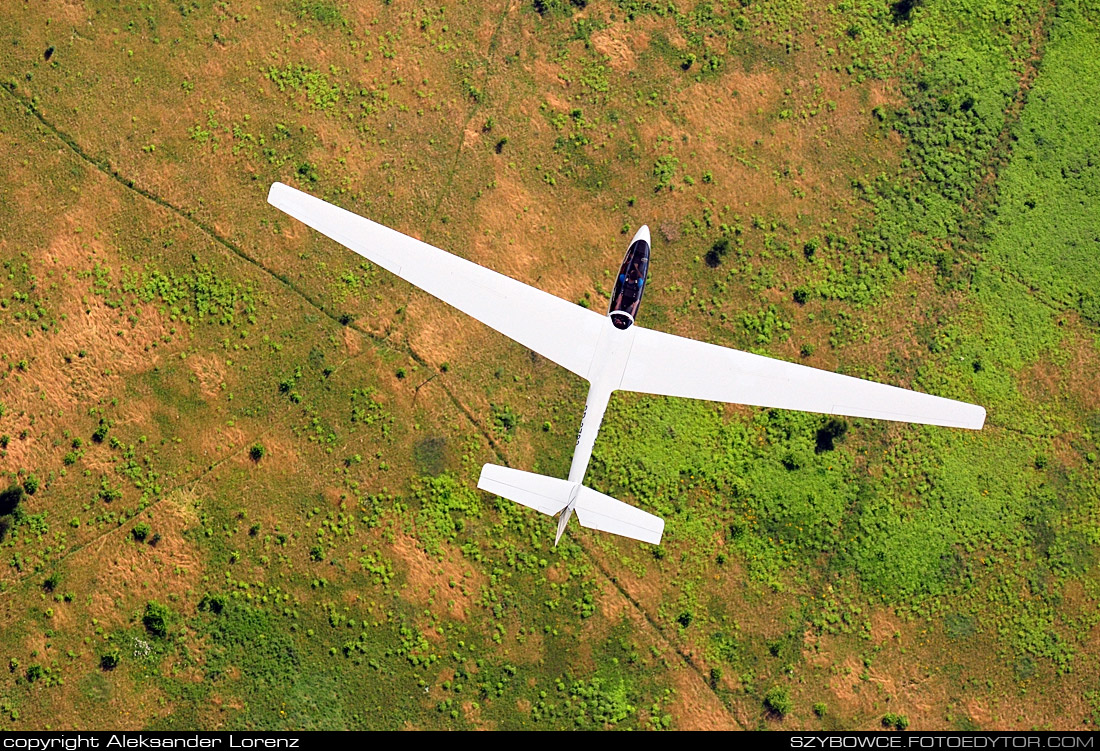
x=482 y=480
x=276 y=191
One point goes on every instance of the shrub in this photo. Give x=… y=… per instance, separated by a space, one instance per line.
x=778 y=700
x=156 y=618
x=110 y=660
x=504 y=419
x=31 y=485
x=257 y=452
x=214 y=603
x=896 y=721
x=51 y=582
x=140 y=531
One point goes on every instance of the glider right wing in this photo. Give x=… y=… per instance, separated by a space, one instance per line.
x=674 y=366
x=555 y=328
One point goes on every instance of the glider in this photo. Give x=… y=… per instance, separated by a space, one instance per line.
x=612 y=353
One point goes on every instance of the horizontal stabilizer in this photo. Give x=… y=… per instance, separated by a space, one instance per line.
x=602 y=512
x=546 y=494
x=550 y=495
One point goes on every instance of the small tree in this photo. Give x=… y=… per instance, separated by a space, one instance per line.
x=718 y=252
x=11 y=498
x=140 y=531
x=31 y=485
x=832 y=431
x=257 y=452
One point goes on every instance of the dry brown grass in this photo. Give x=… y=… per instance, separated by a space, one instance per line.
x=121 y=577
x=427 y=580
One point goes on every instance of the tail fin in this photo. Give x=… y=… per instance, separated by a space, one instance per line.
x=550 y=495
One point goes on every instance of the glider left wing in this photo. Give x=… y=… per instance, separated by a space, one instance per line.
x=555 y=328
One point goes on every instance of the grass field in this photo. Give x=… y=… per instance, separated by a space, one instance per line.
x=241 y=463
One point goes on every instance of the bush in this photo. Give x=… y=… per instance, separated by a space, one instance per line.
x=110 y=660
x=31 y=485
x=896 y=721
x=778 y=701
x=34 y=672
x=214 y=603
x=51 y=582
x=140 y=531
x=156 y=618
x=100 y=432
x=257 y=452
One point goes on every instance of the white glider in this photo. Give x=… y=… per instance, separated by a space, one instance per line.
x=611 y=353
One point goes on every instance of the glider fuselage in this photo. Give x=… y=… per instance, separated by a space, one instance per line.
x=611 y=355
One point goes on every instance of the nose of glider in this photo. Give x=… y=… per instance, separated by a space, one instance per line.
x=642 y=234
